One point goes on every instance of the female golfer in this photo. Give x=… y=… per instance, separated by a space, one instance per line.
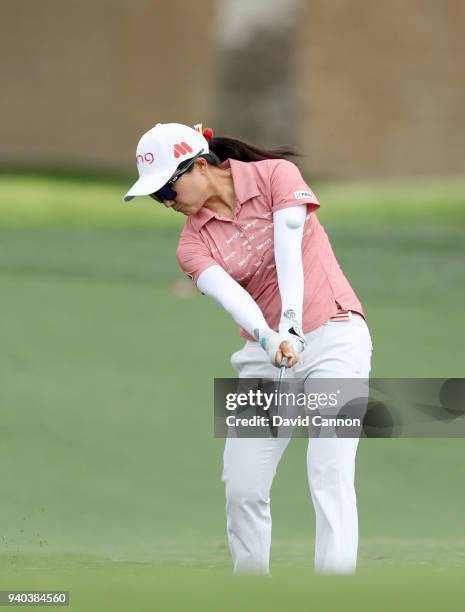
x=253 y=242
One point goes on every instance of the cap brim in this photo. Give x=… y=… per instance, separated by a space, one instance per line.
x=148 y=184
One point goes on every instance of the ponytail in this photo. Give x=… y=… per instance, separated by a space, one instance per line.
x=224 y=147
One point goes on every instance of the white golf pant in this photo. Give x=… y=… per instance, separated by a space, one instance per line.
x=337 y=349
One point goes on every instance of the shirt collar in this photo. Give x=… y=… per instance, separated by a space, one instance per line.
x=245 y=187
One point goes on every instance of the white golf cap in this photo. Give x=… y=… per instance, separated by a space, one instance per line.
x=160 y=151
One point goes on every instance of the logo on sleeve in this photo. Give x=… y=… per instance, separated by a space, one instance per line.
x=301 y=195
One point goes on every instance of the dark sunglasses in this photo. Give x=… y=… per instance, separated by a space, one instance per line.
x=167 y=192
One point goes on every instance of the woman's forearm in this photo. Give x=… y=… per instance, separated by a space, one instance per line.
x=288 y=232
x=219 y=285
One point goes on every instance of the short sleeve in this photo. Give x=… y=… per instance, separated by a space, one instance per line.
x=288 y=187
x=193 y=256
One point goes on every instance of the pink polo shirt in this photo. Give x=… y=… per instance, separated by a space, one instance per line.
x=244 y=245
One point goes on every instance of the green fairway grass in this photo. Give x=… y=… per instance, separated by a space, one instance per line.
x=43 y=200
x=122 y=586
x=110 y=471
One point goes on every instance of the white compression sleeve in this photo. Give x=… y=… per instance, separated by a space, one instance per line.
x=218 y=284
x=288 y=232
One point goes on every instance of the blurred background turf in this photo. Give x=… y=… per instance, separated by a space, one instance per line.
x=110 y=472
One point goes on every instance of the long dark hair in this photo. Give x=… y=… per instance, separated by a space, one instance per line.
x=225 y=147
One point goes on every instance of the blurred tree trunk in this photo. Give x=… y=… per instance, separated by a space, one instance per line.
x=255 y=80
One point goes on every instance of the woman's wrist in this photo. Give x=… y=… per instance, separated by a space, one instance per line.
x=291 y=328
x=289 y=318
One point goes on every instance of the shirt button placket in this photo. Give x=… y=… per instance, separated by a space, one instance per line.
x=242 y=233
